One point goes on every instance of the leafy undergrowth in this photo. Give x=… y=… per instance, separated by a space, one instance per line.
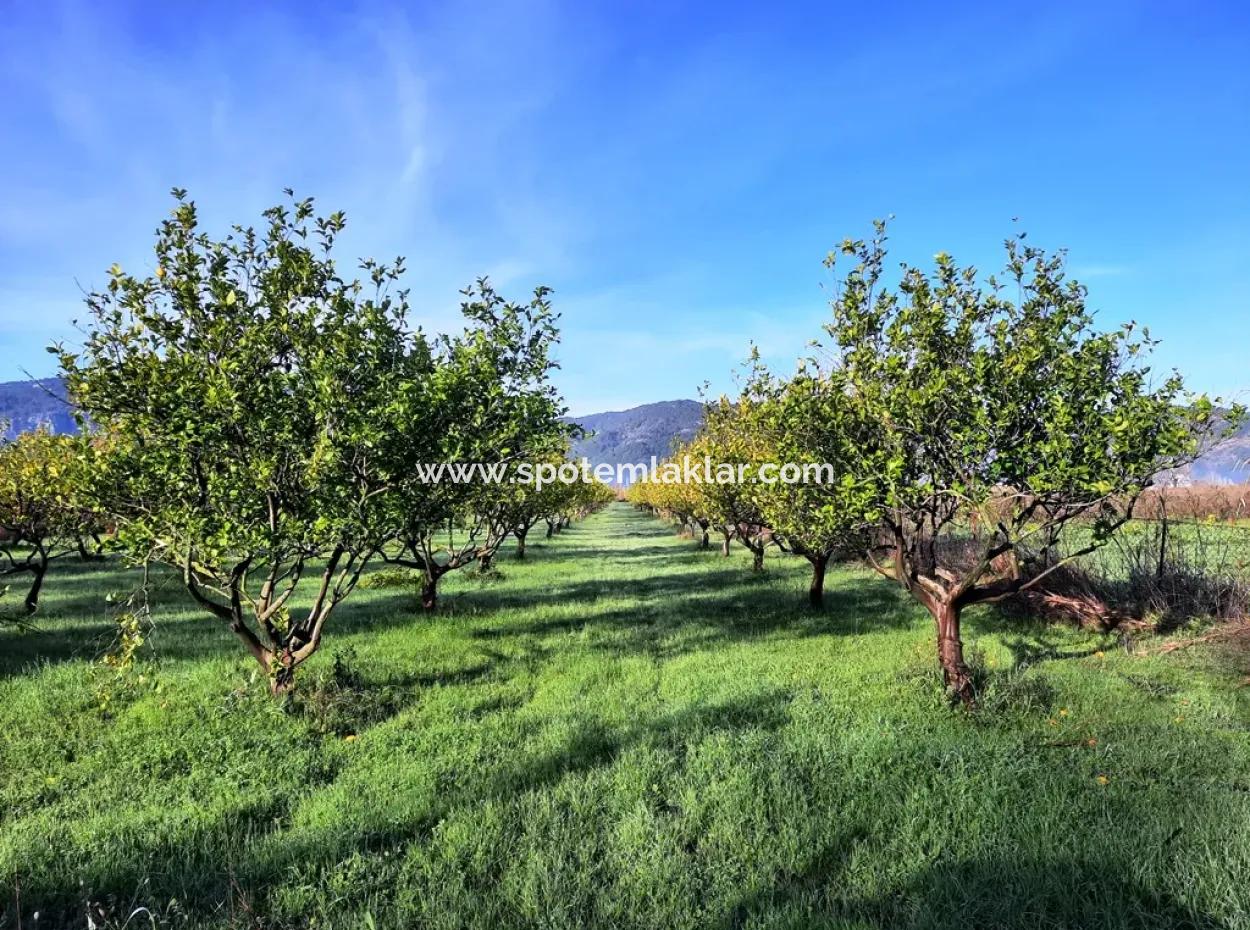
x=621 y=731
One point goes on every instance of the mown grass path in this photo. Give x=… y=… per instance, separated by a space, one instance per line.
x=621 y=731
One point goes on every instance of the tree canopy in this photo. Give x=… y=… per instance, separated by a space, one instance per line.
x=989 y=418
x=266 y=413
x=44 y=504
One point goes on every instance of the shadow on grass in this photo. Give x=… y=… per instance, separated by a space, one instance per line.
x=207 y=867
x=977 y=893
x=75 y=622
x=1030 y=640
x=593 y=745
x=250 y=850
x=727 y=606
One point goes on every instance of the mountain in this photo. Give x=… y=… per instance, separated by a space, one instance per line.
x=25 y=405
x=621 y=437
x=1228 y=462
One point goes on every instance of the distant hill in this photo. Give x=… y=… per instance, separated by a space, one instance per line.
x=25 y=405
x=1227 y=463
x=621 y=437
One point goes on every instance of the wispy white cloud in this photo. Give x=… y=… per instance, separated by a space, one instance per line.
x=375 y=114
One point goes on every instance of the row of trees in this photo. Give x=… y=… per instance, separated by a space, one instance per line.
x=973 y=436
x=46 y=510
x=261 y=419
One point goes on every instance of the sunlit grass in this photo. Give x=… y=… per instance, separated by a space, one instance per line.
x=621 y=731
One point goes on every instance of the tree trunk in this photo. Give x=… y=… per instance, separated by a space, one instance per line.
x=757 y=558
x=703 y=544
x=549 y=529
x=39 y=569
x=520 y=542
x=484 y=562
x=86 y=555
x=429 y=592
x=955 y=673
x=724 y=546
x=282 y=681
x=816 y=593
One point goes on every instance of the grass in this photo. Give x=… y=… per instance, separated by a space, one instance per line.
x=621 y=731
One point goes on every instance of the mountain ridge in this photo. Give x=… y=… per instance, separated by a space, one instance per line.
x=634 y=435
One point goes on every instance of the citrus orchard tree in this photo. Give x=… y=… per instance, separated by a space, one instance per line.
x=686 y=501
x=531 y=503
x=44 y=485
x=544 y=496
x=990 y=420
x=813 y=504
x=489 y=400
x=248 y=389
x=663 y=497
x=703 y=496
x=731 y=434
x=588 y=496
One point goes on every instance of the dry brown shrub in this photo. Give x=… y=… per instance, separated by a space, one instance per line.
x=1159 y=573
x=1227 y=503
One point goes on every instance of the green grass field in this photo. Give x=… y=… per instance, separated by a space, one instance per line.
x=621 y=731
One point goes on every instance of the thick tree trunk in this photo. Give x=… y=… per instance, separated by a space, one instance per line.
x=724 y=546
x=485 y=561
x=816 y=593
x=264 y=656
x=40 y=570
x=520 y=543
x=429 y=593
x=282 y=681
x=757 y=558
x=955 y=673
x=704 y=542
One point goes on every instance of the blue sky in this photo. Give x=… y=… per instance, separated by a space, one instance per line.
x=676 y=171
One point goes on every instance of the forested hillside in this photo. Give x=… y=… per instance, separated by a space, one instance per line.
x=637 y=434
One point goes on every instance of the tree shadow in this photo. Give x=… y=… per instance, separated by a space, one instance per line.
x=1026 y=651
x=593 y=745
x=624 y=554
x=190 y=867
x=999 y=893
x=1030 y=640
x=730 y=606
x=78 y=623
